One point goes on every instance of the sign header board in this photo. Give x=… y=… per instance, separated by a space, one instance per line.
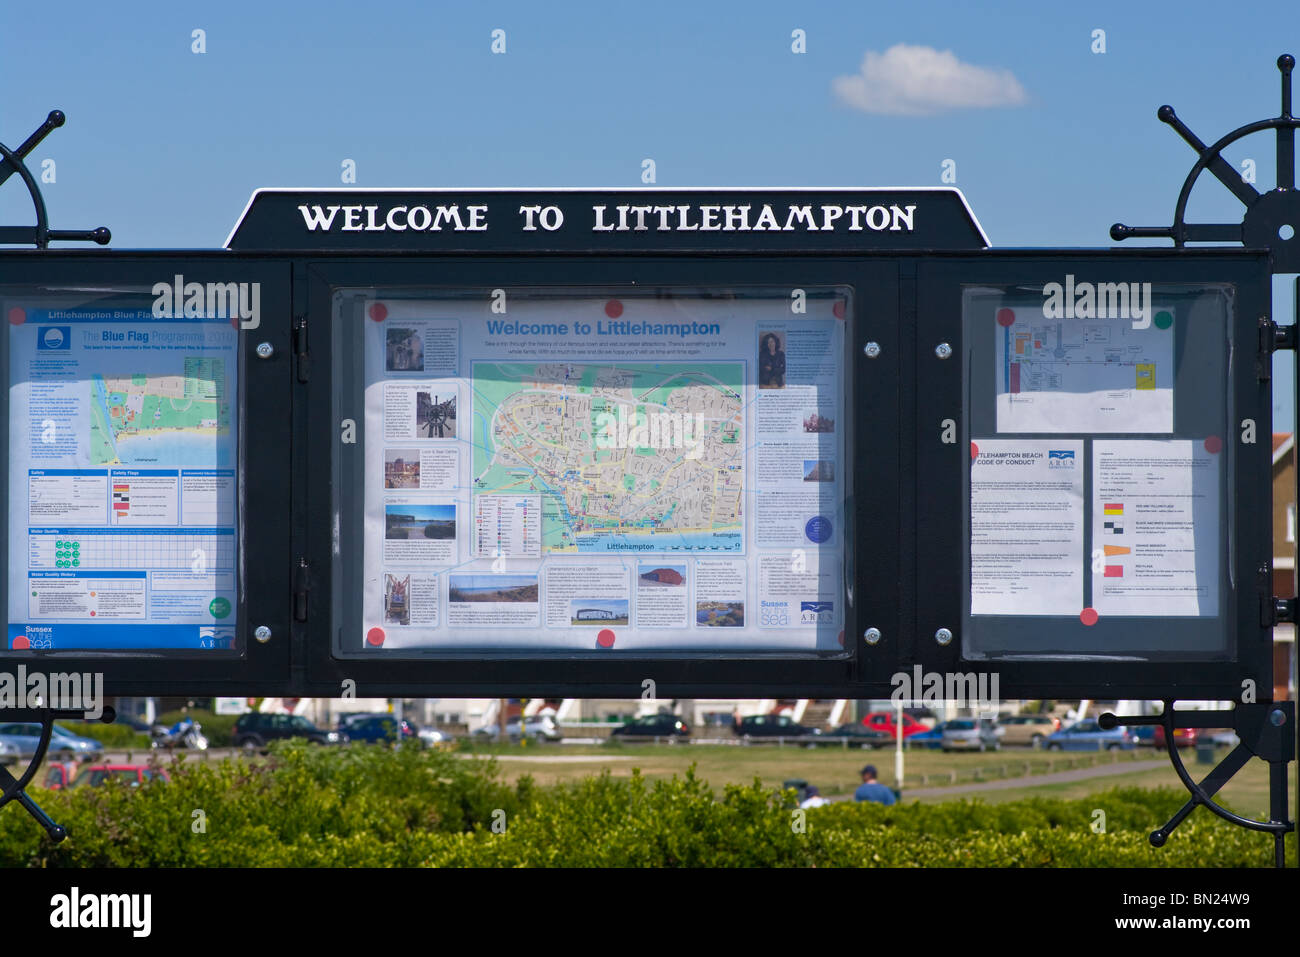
x=648 y=220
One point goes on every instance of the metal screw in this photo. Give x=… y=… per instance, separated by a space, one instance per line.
x=943 y=350
x=265 y=350
x=1277 y=717
x=262 y=634
x=943 y=636
x=872 y=349
x=871 y=635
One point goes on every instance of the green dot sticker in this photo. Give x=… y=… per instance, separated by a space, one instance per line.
x=58 y=544
x=75 y=563
x=76 y=546
x=219 y=607
x=1164 y=319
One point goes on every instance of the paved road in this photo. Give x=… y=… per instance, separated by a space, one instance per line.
x=1030 y=780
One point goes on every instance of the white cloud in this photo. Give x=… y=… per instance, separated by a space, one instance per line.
x=917 y=81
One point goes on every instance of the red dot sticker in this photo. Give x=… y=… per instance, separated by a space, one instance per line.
x=1089 y=616
x=234 y=322
x=605 y=638
x=837 y=308
x=974 y=451
x=1006 y=317
x=92 y=614
x=378 y=311
x=613 y=309
x=375 y=637
x=1213 y=444
x=17 y=316
x=841 y=639
x=21 y=643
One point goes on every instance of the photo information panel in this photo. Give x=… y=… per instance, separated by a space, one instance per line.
x=586 y=471
x=122 y=477
x=1099 y=442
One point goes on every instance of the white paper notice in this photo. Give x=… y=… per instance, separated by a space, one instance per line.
x=1155 y=528
x=1026 y=517
x=1083 y=375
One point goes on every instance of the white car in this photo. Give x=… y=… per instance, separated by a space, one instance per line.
x=432 y=737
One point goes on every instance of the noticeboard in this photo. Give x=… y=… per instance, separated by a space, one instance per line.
x=131 y=469
x=568 y=461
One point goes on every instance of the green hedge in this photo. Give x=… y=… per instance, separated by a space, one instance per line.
x=118 y=737
x=409 y=807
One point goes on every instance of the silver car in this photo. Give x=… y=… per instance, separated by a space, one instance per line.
x=971 y=734
x=538 y=728
x=25 y=736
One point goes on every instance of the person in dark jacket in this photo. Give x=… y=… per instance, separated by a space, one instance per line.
x=771 y=363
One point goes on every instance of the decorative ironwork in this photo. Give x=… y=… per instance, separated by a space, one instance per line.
x=1272 y=219
x=40 y=235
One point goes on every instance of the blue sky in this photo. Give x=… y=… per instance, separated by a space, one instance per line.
x=164 y=145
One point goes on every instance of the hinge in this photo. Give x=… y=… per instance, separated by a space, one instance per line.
x=301 y=588
x=300 y=348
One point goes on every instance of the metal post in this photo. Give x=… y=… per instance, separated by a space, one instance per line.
x=898 y=744
x=1295 y=554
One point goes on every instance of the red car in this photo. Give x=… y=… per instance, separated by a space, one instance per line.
x=96 y=774
x=884 y=721
x=1183 y=737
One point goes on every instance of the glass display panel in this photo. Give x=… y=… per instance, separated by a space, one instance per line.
x=123 y=480
x=650 y=470
x=1098 y=420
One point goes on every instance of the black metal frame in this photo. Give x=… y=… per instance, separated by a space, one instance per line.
x=907 y=504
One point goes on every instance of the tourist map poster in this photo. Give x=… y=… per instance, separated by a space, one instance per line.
x=607 y=472
x=122 y=479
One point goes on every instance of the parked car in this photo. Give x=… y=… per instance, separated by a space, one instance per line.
x=884 y=721
x=59 y=776
x=1087 y=735
x=651 y=726
x=8 y=753
x=374 y=728
x=1028 y=729
x=970 y=734
x=1144 y=734
x=436 y=738
x=1225 y=738
x=772 y=726
x=857 y=735
x=256 y=730
x=931 y=739
x=24 y=737
x=1183 y=737
x=538 y=728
